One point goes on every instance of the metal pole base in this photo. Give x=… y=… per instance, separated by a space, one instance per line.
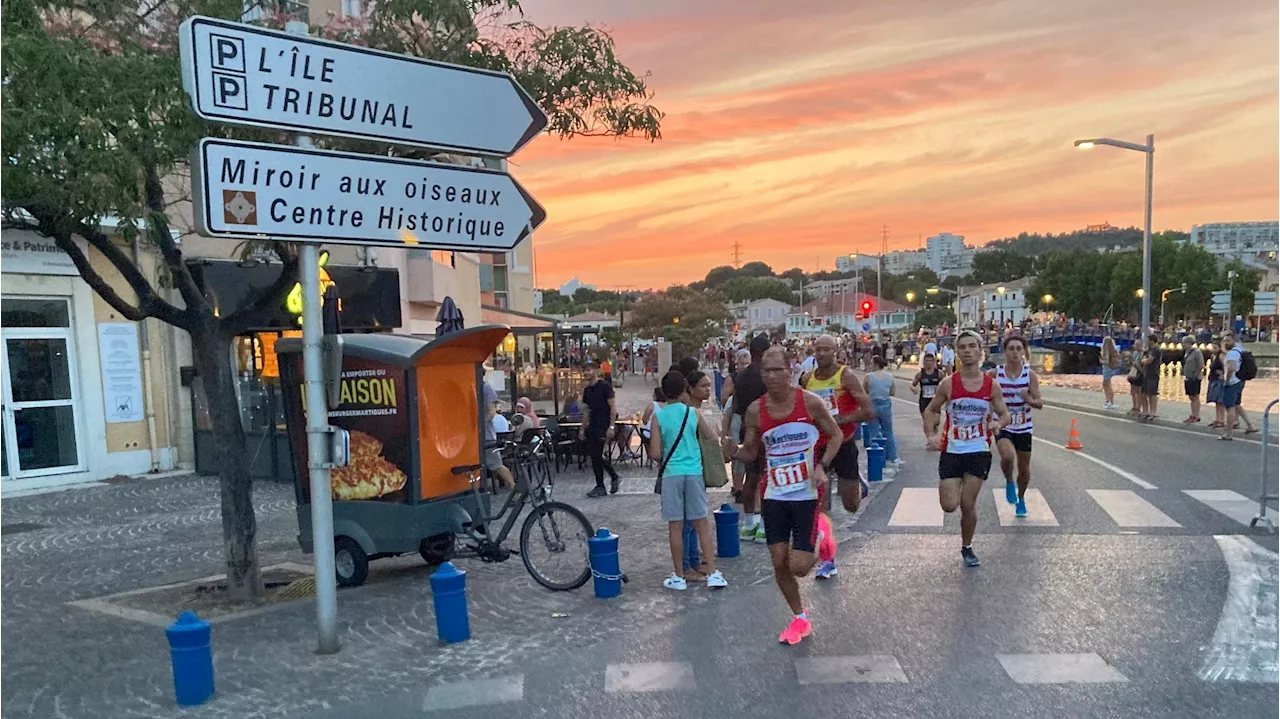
x=1265 y=522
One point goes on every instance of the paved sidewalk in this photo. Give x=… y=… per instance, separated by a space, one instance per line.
x=65 y=661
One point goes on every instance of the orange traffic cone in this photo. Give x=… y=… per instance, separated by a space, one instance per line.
x=1073 y=440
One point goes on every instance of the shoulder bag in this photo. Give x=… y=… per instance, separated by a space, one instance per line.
x=662 y=467
x=713 y=473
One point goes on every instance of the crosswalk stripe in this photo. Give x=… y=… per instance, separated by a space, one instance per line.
x=1059 y=669
x=648 y=677
x=1233 y=504
x=917 y=507
x=1038 y=512
x=474 y=693
x=1130 y=510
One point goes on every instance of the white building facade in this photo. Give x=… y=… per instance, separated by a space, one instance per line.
x=996 y=302
x=946 y=254
x=856 y=262
x=1237 y=240
x=758 y=315
x=905 y=262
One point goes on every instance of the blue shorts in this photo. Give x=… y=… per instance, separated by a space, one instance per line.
x=1232 y=394
x=1108 y=373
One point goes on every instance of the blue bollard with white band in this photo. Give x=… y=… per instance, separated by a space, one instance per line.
x=875 y=462
x=606 y=567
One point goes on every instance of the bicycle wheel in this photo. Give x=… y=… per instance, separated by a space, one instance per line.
x=556 y=556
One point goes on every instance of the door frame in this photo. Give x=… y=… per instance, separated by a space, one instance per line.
x=67 y=335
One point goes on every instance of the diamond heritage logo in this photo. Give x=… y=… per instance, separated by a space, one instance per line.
x=240 y=207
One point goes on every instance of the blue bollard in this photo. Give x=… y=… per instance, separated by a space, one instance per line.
x=606 y=569
x=726 y=531
x=449 y=596
x=875 y=463
x=192 y=657
x=866 y=434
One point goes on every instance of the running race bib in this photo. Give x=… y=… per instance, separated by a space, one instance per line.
x=928 y=391
x=1019 y=416
x=968 y=432
x=787 y=474
x=828 y=396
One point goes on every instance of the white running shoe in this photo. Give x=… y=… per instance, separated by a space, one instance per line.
x=716 y=580
x=677 y=583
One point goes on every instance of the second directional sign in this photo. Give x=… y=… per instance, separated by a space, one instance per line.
x=247 y=189
x=247 y=75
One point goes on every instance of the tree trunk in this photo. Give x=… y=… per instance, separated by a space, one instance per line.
x=212 y=356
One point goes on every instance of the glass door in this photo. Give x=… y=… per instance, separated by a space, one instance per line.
x=39 y=389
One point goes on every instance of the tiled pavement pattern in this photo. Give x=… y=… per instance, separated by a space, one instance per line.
x=102 y=540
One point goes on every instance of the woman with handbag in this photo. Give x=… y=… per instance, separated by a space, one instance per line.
x=680 y=477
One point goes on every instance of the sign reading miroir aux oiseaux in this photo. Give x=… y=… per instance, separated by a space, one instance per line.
x=247 y=189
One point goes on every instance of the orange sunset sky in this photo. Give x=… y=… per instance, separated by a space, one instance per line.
x=798 y=128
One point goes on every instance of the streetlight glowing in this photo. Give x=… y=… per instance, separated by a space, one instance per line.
x=1000 y=289
x=1047 y=299
x=911 y=297
x=1140 y=293
x=1149 y=149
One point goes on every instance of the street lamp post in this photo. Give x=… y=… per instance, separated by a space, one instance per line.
x=1000 y=291
x=1150 y=150
x=1164 y=296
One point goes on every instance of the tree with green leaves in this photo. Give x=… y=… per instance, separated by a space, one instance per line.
x=682 y=315
x=1000 y=265
x=96 y=124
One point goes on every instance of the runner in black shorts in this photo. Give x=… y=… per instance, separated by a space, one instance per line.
x=784 y=428
x=969 y=399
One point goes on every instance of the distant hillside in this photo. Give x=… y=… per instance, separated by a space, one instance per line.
x=1036 y=244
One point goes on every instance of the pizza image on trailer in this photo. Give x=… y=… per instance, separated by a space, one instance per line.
x=368 y=475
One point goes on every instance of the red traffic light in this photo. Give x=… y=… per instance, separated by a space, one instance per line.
x=867 y=307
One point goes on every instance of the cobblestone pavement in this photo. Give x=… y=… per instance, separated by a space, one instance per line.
x=63 y=661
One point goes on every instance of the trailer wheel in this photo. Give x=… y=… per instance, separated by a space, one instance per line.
x=437 y=549
x=350 y=562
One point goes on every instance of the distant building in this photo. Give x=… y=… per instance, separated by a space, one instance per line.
x=946 y=254
x=984 y=304
x=1238 y=240
x=819 y=316
x=827 y=288
x=1104 y=227
x=904 y=262
x=856 y=262
x=758 y=315
x=593 y=320
x=573 y=285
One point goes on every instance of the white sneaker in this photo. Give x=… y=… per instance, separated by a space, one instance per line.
x=716 y=580
x=1108 y=405
x=677 y=582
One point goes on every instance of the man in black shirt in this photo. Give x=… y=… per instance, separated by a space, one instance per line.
x=598 y=417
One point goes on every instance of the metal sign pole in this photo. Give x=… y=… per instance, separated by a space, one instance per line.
x=317 y=411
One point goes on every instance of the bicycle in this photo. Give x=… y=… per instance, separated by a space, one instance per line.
x=562 y=528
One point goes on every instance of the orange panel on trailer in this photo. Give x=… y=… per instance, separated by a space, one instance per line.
x=448 y=427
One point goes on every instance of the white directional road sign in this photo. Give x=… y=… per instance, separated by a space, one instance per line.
x=250 y=76
x=1264 y=303
x=1221 y=302
x=248 y=189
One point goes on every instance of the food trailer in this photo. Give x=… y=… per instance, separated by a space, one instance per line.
x=414 y=411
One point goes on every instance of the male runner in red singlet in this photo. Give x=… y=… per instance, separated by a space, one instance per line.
x=848 y=403
x=785 y=425
x=969 y=398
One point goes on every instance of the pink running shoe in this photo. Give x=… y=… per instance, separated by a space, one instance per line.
x=798 y=629
x=826 y=540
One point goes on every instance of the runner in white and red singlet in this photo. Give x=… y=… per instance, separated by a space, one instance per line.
x=787 y=424
x=975 y=413
x=1020 y=387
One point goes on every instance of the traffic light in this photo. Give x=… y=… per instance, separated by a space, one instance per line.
x=867 y=308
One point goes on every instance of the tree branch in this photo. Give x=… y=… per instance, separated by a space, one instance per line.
x=158 y=226
x=149 y=303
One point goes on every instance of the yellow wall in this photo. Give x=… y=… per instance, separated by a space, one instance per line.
x=131 y=436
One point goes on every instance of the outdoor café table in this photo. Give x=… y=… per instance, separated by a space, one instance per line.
x=624 y=430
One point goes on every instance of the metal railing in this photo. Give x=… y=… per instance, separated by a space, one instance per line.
x=1263 y=496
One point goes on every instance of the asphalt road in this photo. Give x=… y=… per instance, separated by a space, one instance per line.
x=1123 y=601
